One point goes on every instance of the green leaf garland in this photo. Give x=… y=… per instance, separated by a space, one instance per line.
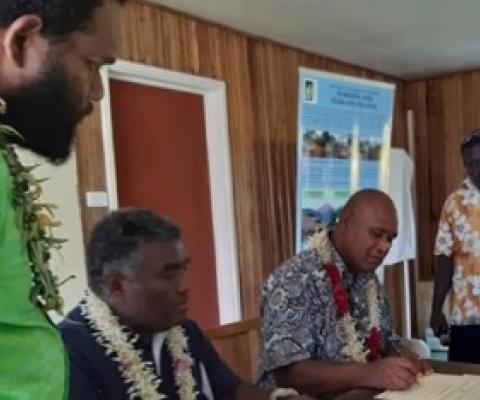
x=36 y=222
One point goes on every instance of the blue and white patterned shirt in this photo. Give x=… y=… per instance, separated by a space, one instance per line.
x=298 y=314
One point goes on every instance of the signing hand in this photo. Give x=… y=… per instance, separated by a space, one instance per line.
x=395 y=373
x=423 y=367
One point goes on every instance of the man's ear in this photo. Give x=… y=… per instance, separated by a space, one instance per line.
x=115 y=285
x=19 y=35
x=346 y=218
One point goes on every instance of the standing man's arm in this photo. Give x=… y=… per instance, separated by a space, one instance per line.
x=443 y=283
x=444 y=264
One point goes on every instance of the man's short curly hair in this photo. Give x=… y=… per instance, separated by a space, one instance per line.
x=117 y=240
x=60 y=17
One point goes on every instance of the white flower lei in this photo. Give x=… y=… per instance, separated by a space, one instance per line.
x=138 y=374
x=353 y=348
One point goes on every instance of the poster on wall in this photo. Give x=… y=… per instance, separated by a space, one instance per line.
x=344 y=131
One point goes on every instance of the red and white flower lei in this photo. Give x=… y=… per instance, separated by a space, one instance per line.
x=353 y=349
x=138 y=374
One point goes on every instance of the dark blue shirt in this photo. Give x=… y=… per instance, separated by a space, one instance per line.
x=95 y=376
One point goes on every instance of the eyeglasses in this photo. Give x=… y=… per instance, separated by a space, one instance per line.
x=475 y=134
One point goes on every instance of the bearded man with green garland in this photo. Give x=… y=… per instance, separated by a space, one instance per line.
x=50 y=55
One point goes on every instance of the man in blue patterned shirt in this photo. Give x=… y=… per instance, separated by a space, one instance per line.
x=304 y=342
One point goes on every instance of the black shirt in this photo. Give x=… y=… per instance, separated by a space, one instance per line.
x=95 y=376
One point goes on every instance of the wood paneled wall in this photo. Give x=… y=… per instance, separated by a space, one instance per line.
x=444 y=108
x=261 y=78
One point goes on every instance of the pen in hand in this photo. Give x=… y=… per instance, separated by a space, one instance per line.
x=406 y=353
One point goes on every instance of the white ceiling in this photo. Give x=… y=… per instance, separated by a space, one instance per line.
x=404 y=38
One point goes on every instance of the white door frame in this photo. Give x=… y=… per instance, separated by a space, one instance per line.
x=219 y=166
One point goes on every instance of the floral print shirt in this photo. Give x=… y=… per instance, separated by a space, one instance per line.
x=459 y=237
x=298 y=315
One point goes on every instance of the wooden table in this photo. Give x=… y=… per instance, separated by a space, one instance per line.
x=454 y=368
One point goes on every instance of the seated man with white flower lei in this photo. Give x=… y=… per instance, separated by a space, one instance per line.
x=326 y=326
x=129 y=338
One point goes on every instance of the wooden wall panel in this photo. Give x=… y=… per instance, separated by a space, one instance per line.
x=261 y=78
x=445 y=108
x=91 y=171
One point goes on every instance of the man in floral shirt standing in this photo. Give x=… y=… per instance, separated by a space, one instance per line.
x=457 y=251
x=326 y=326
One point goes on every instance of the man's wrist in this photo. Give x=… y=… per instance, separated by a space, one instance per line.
x=360 y=374
x=282 y=393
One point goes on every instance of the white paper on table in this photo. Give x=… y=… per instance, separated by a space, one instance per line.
x=438 y=387
x=472 y=387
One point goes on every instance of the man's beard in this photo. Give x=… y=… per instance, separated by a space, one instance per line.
x=45 y=113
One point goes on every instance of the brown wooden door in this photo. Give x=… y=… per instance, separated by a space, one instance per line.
x=161 y=164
